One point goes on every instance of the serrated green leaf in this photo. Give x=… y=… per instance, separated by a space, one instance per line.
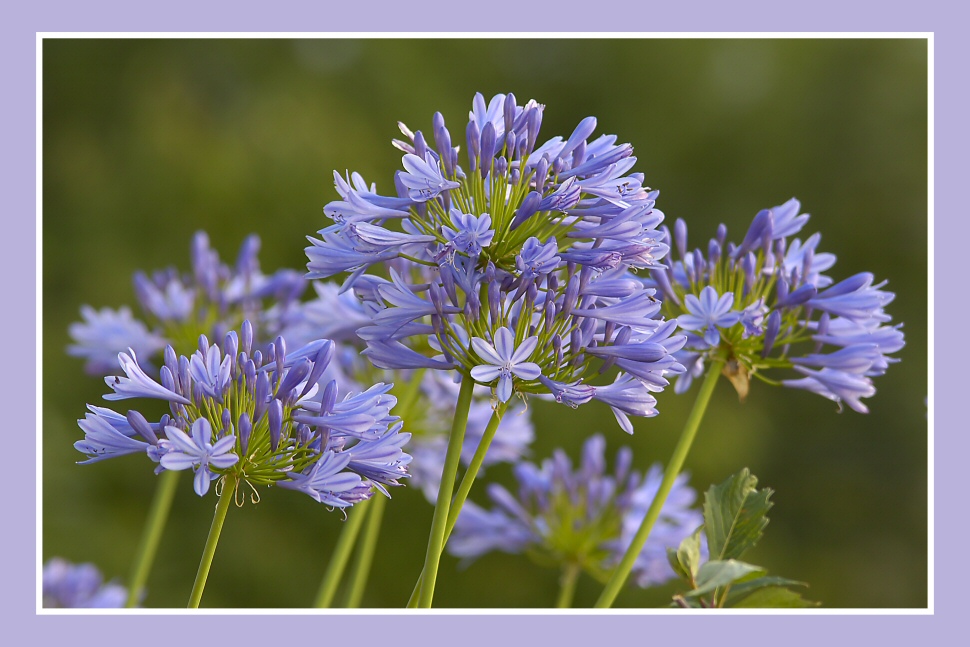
x=687 y=558
x=741 y=591
x=774 y=597
x=734 y=515
x=718 y=573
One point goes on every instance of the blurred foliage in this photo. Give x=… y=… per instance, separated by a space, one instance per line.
x=147 y=141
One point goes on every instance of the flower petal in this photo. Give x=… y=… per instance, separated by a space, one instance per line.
x=485 y=373
x=486 y=351
x=524 y=351
x=504 y=343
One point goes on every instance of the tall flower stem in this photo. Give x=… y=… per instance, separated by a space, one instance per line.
x=341 y=553
x=440 y=520
x=567 y=586
x=152 y=535
x=365 y=556
x=219 y=518
x=622 y=571
x=466 y=485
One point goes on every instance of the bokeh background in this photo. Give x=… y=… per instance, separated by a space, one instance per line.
x=148 y=141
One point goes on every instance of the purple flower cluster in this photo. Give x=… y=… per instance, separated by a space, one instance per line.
x=210 y=300
x=261 y=416
x=514 y=271
x=583 y=517
x=78 y=586
x=766 y=303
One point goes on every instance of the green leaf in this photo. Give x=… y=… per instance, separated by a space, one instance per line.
x=717 y=573
x=734 y=515
x=741 y=591
x=774 y=597
x=687 y=558
x=676 y=565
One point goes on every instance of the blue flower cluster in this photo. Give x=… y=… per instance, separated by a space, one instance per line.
x=259 y=416
x=515 y=270
x=584 y=517
x=78 y=586
x=211 y=300
x=767 y=303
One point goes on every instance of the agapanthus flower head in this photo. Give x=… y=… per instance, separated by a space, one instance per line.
x=263 y=418
x=513 y=270
x=582 y=516
x=764 y=304
x=178 y=307
x=78 y=586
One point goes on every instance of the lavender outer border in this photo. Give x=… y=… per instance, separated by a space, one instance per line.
x=18 y=167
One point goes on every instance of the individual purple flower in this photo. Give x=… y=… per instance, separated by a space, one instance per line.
x=102 y=439
x=537 y=258
x=423 y=177
x=78 y=586
x=753 y=318
x=504 y=361
x=708 y=313
x=836 y=385
x=198 y=453
x=327 y=482
x=137 y=384
x=470 y=233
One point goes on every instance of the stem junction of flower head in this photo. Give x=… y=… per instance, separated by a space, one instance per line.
x=622 y=570
x=222 y=507
x=567 y=588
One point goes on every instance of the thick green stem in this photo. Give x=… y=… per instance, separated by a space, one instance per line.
x=341 y=553
x=152 y=535
x=365 y=555
x=622 y=571
x=567 y=586
x=219 y=518
x=445 y=489
x=466 y=485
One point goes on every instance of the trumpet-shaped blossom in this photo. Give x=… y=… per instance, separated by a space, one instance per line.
x=503 y=360
x=708 y=313
x=180 y=452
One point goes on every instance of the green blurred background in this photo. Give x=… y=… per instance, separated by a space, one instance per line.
x=147 y=141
